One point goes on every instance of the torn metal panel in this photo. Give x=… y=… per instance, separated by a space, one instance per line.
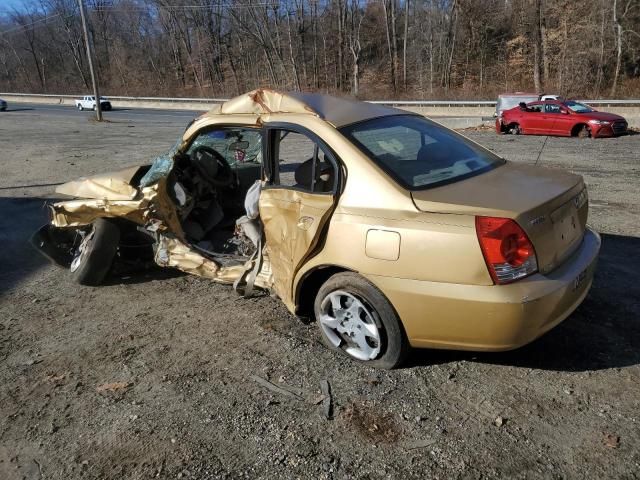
x=112 y=186
x=171 y=252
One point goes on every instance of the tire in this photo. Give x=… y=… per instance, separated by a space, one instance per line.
x=94 y=256
x=584 y=132
x=386 y=345
x=95 y=108
x=514 y=129
x=80 y=107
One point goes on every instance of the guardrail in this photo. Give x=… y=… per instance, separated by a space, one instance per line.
x=111 y=97
x=414 y=103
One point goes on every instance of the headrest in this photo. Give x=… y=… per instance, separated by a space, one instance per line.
x=304 y=173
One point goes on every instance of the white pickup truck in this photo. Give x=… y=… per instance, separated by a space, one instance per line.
x=89 y=103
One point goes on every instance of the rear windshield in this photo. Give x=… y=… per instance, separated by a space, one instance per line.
x=419 y=153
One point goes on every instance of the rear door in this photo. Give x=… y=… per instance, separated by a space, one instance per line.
x=531 y=118
x=297 y=200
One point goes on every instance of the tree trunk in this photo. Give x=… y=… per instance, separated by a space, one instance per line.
x=617 y=28
x=389 y=43
x=404 y=44
x=537 y=47
x=545 y=48
x=291 y=56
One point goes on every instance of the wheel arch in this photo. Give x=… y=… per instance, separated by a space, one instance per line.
x=577 y=127
x=310 y=283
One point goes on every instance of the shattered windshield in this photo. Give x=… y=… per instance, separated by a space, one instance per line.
x=419 y=153
x=236 y=145
x=161 y=166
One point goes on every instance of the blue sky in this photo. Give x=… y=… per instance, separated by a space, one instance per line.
x=8 y=5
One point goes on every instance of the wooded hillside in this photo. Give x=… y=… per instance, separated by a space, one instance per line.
x=372 y=49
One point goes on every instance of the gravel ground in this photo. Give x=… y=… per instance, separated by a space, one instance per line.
x=162 y=375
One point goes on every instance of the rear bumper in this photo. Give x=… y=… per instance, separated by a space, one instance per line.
x=496 y=317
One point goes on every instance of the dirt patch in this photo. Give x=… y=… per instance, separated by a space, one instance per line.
x=369 y=422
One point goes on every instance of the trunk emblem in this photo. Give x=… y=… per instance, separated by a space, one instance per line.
x=538 y=220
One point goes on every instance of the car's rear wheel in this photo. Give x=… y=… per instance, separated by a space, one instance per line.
x=356 y=319
x=584 y=132
x=95 y=251
x=514 y=129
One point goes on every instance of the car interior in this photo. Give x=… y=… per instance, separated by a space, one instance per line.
x=215 y=186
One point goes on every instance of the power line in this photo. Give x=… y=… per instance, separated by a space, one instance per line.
x=226 y=6
x=25 y=27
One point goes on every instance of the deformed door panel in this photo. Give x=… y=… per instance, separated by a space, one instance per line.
x=293 y=221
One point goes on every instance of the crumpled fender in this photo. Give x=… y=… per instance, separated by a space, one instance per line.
x=105 y=186
x=152 y=207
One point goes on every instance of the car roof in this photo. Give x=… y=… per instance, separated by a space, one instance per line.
x=336 y=111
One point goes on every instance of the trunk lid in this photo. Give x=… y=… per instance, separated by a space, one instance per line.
x=549 y=205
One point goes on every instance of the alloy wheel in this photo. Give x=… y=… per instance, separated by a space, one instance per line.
x=349 y=323
x=80 y=253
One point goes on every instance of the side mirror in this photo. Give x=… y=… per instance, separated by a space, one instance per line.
x=564 y=112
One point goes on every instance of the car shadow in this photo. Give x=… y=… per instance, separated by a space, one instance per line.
x=603 y=333
x=9 y=110
x=19 y=219
x=35 y=185
x=134 y=274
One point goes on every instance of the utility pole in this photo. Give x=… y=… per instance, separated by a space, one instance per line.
x=96 y=91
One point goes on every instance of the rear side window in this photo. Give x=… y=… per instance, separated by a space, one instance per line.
x=419 y=153
x=301 y=163
x=552 y=108
x=507 y=103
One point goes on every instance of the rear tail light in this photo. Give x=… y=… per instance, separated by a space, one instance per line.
x=506 y=248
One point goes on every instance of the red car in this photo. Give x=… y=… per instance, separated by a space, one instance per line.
x=562 y=118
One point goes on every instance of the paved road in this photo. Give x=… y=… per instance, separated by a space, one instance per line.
x=180 y=117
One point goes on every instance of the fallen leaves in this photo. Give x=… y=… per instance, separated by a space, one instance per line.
x=611 y=441
x=499 y=421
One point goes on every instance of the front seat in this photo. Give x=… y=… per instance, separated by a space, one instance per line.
x=324 y=176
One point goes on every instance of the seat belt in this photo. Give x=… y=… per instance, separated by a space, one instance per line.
x=245 y=282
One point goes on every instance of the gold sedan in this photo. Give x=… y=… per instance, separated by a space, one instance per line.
x=387 y=228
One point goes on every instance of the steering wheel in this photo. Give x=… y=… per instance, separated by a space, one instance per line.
x=212 y=166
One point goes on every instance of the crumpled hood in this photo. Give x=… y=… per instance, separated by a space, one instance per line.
x=109 y=186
